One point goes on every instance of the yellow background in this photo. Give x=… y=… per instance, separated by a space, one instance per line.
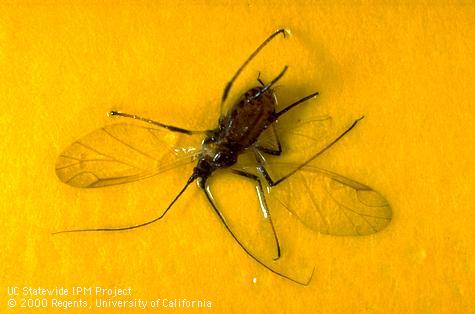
x=408 y=68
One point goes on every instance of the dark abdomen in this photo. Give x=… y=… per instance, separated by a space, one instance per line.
x=248 y=118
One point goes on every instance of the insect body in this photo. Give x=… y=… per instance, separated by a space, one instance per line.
x=123 y=156
x=240 y=128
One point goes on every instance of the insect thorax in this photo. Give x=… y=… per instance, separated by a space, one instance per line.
x=218 y=154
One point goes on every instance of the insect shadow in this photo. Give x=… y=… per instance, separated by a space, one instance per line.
x=122 y=153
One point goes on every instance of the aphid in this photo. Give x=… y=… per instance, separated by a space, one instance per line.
x=122 y=153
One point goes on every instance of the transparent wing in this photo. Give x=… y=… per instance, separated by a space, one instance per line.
x=122 y=153
x=299 y=139
x=331 y=204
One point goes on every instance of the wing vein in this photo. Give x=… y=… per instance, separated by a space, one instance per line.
x=351 y=210
x=110 y=157
x=305 y=136
x=128 y=145
x=81 y=173
x=327 y=225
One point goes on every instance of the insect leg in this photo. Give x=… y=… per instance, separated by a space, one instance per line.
x=278 y=114
x=190 y=180
x=210 y=198
x=271 y=150
x=228 y=86
x=166 y=126
x=262 y=200
x=272 y=182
